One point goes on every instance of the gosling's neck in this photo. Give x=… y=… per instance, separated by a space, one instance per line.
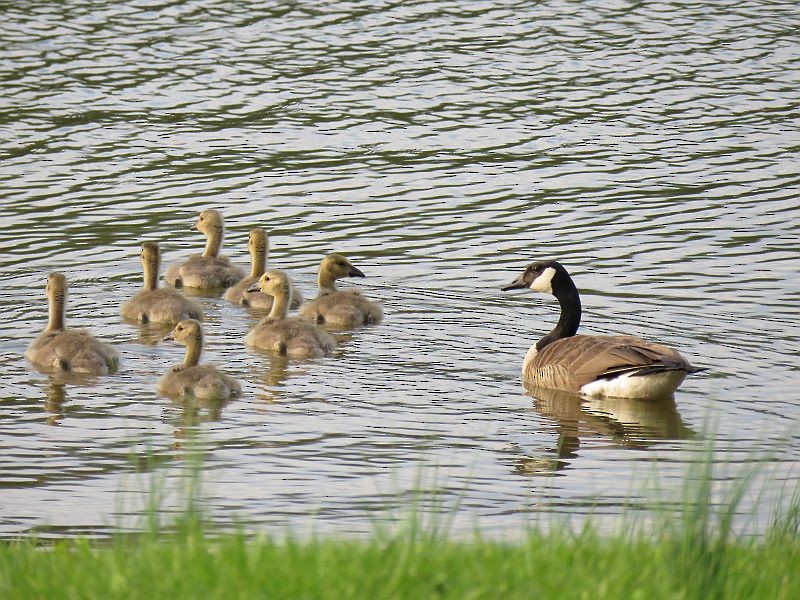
x=258 y=262
x=57 y=305
x=213 y=243
x=194 y=346
x=326 y=282
x=150 y=269
x=280 y=304
x=568 y=298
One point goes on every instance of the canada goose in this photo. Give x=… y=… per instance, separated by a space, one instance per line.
x=340 y=308
x=258 y=245
x=190 y=378
x=296 y=336
x=621 y=366
x=208 y=270
x=158 y=305
x=72 y=350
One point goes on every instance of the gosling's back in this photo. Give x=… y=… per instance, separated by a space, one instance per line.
x=204 y=382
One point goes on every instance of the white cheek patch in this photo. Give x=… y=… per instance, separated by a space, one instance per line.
x=543 y=283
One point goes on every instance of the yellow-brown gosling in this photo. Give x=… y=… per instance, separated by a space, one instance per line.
x=158 y=305
x=69 y=350
x=209 y=270
x=258 y=245
x=191 y=379
x=340 y=308
x=621 y=366
x=296 y=337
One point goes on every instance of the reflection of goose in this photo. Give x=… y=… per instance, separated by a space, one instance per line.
x=190 y=378
x=72 y=350
x=594 y=365
x=624 y=422
x=209 y=270
x=158 y=305
x=296 y=336
x=340 y=308
x=628 y=422
x=258 y=245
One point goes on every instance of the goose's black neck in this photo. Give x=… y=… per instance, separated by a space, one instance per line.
x=567 y=295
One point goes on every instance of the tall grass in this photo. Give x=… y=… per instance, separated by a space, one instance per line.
x=696 y=555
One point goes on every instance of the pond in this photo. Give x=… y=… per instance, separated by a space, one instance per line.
x=441 y=146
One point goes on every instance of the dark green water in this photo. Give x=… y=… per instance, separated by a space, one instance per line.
x=652 y=148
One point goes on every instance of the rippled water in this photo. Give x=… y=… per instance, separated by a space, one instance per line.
x=652 y=147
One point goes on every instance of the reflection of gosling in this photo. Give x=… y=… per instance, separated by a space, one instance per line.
x=154 y=305
x=258 y=245
x=203 y=382
x=209 y=270
x=297 y=337
x=63 y=349
x=340 y=308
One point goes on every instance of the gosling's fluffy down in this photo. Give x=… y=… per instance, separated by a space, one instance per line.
x=69 y=350
x=158 y=305
x=209 y=270
x=191 y=379
x=258 y=245
x=340 y=308
x=296 y=337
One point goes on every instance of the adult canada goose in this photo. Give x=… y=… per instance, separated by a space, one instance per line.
x=71 y=350
x=340 y=308
x=209 y=270
x=158 y=305
x=190 y=378
x=620 y=366
x=258 y=245
x=296 y=336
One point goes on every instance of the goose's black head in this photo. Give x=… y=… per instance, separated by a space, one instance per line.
x=546 y=276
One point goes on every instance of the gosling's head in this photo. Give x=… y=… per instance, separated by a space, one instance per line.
x=542 y=276
x=210 y=222
x=188 y=329
x=151 y=255
x=257 y=242
x=273 y=283
x=338 y=266
x=56 y=286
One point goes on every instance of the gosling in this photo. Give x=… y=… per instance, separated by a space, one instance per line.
x=296 y=337
x=191 y=379
x=258 y=245
x=69 y=350
x=340 y=308
x=209 y=270
x=158 y=305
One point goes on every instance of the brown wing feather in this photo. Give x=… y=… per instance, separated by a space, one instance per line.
x=571 y=363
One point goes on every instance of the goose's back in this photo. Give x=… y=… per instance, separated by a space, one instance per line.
x=573 y=362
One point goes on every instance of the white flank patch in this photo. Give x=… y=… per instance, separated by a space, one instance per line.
x=544 y=282
x=529 y=357
x=655 y=385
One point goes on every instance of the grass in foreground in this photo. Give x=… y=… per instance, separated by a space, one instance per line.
x=554 y=565
x=690 y=554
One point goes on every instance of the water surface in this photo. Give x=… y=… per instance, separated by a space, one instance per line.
x=652 y=148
